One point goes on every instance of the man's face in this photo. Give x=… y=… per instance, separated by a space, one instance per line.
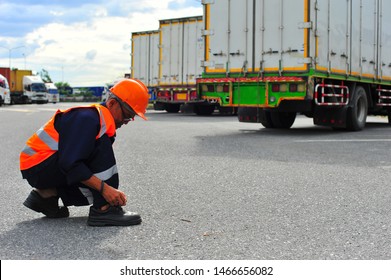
x=122 y=114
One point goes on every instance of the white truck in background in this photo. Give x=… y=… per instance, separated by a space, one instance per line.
x=34 y=88
x=53 y=95
x=5 y=96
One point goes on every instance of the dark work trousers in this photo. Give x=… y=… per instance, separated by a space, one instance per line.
x=102 y=164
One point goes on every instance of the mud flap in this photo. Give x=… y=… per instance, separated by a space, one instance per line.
x=250 y=114
x=332 y=117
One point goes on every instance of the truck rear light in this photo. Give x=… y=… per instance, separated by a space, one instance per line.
x=275 y=87
x=204 y=88
x=301 y=88
x=164 y=94
x=193 y=95
x=222 y=88
x=293 y=87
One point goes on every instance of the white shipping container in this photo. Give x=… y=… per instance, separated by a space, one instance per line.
x=145 y=57
x=350 y=38
x=181 y=50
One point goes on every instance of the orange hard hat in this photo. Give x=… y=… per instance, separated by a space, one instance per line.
x=134 y=93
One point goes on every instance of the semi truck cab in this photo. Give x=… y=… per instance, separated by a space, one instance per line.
x=5 y=97
x=34 y=88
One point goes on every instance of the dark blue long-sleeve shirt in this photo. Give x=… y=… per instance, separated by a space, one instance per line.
x=77 y=130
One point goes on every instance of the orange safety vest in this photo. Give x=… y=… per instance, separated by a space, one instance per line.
x=44 y=142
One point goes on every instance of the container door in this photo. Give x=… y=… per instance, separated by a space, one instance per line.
x=280 y=35
x=239 y=35
x=171 y=40
x=364 y=38
x=191 y=55
x=385 y=39
x=333 y=34
x=154 y=59
x=229 y=41
x=140 y=57
x=217 y=40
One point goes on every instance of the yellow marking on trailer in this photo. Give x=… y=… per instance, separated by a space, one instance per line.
x=181 y=96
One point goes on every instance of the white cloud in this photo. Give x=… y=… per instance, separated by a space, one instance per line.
x=56 y=13
x=95 y=50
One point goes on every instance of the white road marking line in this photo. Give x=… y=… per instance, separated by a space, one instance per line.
x=343 y=140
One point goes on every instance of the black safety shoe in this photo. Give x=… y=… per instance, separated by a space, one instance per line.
x=47 y=206
x=113 y=216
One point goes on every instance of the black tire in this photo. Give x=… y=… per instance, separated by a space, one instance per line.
x=204 y=110
x=173 y=108
x=357 y=113
x=283 y=120
x=158 y=106
x=266 y=119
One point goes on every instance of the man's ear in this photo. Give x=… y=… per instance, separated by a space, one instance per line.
x=110 y=103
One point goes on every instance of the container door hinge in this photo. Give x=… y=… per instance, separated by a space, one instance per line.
x=305 y=25
x=207 y=32
x=207 y=63
x=305 y=60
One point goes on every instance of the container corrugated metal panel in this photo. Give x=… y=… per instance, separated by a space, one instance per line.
x=182 y=50
x=279 y=36
x=350 y=38
x=385 y=40
x=145 y=57
x=247 y=35
x=229 y=43
x=363 y=30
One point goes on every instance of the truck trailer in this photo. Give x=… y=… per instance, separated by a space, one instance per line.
x=145 y=60
x=329 y=60
x=16 y=86
x=180 y=53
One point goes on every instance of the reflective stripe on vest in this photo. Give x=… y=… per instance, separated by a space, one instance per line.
x=44 y=143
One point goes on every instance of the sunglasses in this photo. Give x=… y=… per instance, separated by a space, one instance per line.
x=126 y=118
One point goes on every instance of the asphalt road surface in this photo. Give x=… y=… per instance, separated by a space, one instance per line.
x=214 y=188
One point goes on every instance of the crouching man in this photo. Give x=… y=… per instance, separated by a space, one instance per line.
x=71 y=157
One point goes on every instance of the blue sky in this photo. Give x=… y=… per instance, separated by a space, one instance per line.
x=82 y=42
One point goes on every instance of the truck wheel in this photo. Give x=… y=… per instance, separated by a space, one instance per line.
x=173 y=108
x=204 y=110
x=283 y=120
x=357 y=114
x=266 y=119
x=158 y=106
